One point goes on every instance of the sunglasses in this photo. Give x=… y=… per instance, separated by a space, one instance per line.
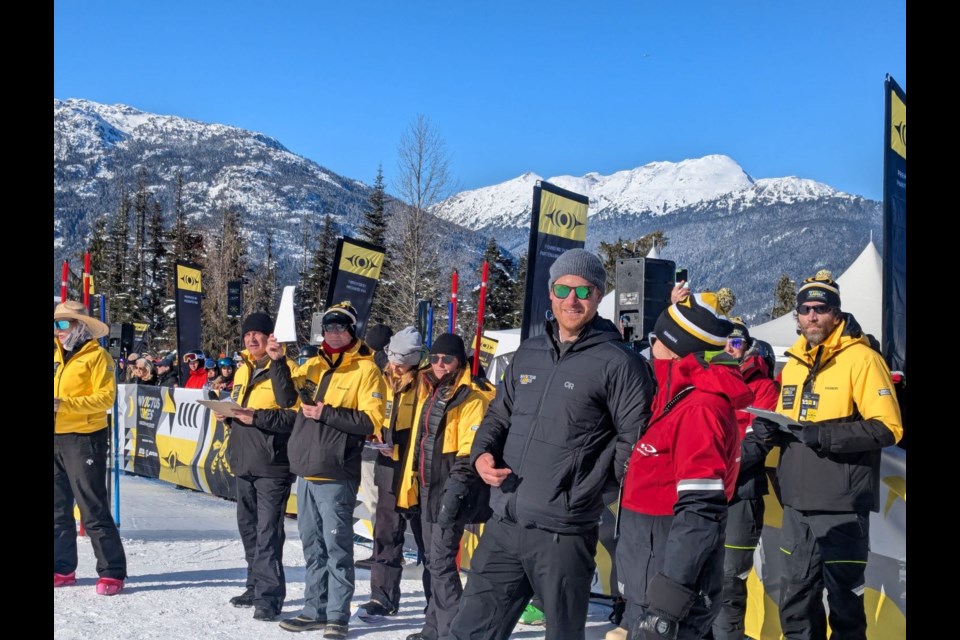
x=736 y=343
x=190 y=357
x=61 y=325
x=819 y=309
x=437 y=358
x=582 y=292
x=334 y=327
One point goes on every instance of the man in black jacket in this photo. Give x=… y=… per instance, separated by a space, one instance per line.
x=565 y=418
x=257 y=453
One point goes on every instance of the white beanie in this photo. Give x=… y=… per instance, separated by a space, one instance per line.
x=406 y=347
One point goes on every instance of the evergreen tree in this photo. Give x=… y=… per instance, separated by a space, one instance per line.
x=117 y=287
x=520 y=291
x=155 y=281
x=784 y=296
x=263 y=296
x=374 y=231
x=501 y=304
x=137 y=263
x=315 y=282
x=98 y=247
x=227 y=261
x=610 y=252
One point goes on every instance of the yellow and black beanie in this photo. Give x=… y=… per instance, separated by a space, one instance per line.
x=342 y=313
x=739 y=330
x=695 y=324
x=820 y=288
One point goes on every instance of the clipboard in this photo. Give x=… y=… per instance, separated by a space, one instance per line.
x=784 y=423
x=379 y=446
x=224 y=407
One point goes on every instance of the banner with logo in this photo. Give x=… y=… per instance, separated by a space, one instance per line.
x=558 y=223
x=188 y=295
x=488 y=347
x=894 y=331
x=355 y=275
x=146 y=460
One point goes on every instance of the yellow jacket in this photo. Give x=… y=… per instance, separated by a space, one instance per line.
x=86 y=387
x=844 y=386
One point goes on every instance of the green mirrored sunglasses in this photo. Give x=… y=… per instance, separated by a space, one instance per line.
x=582 y=292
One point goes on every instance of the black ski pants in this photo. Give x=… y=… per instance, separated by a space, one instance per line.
x=824 y=550
x=80 y=474
x=512 y=562
x=744 y=525
x=442 y=547
x=261 y=504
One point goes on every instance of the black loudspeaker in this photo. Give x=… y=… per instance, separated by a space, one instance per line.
x=643 y=292
x=121 y=339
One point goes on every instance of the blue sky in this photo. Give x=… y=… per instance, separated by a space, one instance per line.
x=784 y=88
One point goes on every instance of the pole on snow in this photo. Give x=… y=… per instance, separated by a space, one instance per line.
x=480 y=310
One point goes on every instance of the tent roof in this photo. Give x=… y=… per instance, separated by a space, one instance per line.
x=861 y=293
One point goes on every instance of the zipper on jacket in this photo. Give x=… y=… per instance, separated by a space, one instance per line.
x=526 y=445
x=426 y=432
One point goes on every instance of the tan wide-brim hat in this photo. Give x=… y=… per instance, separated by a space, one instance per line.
x=73 y=310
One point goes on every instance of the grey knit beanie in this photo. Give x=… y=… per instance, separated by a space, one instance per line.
x=582 y=263
x=406 y=347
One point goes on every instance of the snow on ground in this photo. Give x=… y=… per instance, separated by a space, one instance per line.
x=185 y=561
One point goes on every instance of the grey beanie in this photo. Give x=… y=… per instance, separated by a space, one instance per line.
x=406 y=347
x=582 y=263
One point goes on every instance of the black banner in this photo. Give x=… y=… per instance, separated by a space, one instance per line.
x=423 y=319
x=235 y=299
x=355 y=275
x=895 y=227
x=188 y=296
x=149 y=408
x=558 y=223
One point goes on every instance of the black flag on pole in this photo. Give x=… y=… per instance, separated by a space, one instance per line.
x=188 y=296
x=355 y=275
x=558 y=223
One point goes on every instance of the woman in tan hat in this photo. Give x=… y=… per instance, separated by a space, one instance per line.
x=84 y=389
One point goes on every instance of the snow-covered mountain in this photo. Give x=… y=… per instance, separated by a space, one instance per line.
x=726 y=227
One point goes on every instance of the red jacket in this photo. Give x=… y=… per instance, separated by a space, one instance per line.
x=693 y=445
x=766 y=392
x=196 y=379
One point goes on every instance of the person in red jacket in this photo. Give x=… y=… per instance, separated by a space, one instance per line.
x=745 y=512
x=680 y=477
x=197 y=375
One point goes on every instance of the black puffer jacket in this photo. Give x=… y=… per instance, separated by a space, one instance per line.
x=565 y=425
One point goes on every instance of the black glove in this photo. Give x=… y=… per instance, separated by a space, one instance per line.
x=765 y=429
x=453 y=492
x=808 y=433
x=668 y=603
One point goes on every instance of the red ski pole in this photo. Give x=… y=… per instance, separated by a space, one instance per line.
x=480 y=309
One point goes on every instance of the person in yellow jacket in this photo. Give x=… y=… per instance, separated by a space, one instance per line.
x=838 y=390
x=438 y=476
x=342 y=404
x=257 y=452
x=402 y=376
x=84 y=390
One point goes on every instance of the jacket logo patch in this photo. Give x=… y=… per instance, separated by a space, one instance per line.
x=526 y=378
x=568 y=385
x=378 y=395
x=647 y=449
x=883 y=392
x=474 y=427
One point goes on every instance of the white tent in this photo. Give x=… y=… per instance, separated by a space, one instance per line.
x=861 y=293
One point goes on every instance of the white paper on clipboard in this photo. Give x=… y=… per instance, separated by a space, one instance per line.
x=783 y=422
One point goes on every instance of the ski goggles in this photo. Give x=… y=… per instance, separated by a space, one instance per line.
x=736 y=343
x=61 y=325
x=582 y=292
x=819 y=309
x=190 y=357
x=334 y=327
x=436 y=358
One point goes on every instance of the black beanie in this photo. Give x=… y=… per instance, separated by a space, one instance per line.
x=378 y=336
x=693 y=324
x=739 y=330
x=820 y=288
x=450 y=344
x=258 y=321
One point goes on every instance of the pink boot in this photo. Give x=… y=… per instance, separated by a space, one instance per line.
x=109 y=586
x=64 y=579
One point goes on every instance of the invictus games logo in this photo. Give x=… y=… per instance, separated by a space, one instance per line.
x=898 y=125
x=363 y=262
x=526 y=378
x=563 y=217
x=188 y=278
x=564 y=220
